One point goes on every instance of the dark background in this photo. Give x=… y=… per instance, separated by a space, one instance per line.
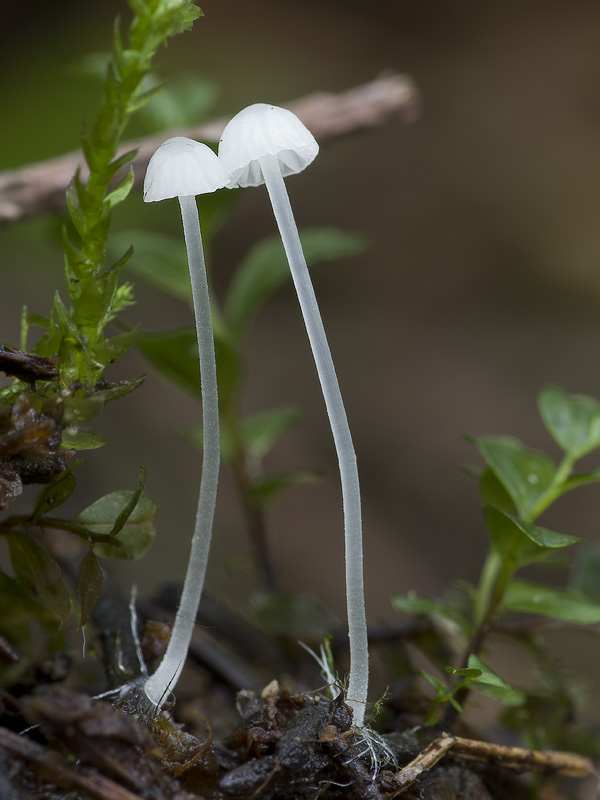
x=481 y=283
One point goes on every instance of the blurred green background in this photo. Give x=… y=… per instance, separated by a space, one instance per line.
x=481 y=283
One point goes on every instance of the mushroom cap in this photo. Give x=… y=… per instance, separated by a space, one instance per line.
x=261 y=130
x=182 y=167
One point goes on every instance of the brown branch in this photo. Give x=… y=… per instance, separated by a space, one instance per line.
x=40 y=188
x=544 y=761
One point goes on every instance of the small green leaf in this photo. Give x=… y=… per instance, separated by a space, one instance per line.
x=573 y=420
x=39 y=573
x=110 y=350
x=441 y=690
x=413 y=604
x=181 y=104
x=74 y=195
x=121 y=160
x=114 y=391
x=525 y=474
x=493 y=492
x=261 y=431
x=89 y=586
x=258 y=433
x=174 y=353
x=121 y=520
x=443 y=694
x=159 y=260
x=522 y=542
x=137 y=533
x=265 y=269
x=79 y=409
x=82 y=440
x=492 y=685
x=566 y=604
x=470 y=673
x=54 y=494
x=39 y=320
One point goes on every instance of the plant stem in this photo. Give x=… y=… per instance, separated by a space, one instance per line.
x=168 y=672
x=253 y=510
x=552 y=492
x=357 y=624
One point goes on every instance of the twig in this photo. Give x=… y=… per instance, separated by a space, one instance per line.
x=54 y=768
x=40 y=188
x=549 y=761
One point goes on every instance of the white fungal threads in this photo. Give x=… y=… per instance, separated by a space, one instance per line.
x=184 y=168
x=263 y=144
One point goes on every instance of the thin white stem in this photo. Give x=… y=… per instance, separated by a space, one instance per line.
x=357 y=624
x=157 y=687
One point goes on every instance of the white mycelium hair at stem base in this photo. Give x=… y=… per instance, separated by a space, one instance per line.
x=184 y=168
x=264 y=144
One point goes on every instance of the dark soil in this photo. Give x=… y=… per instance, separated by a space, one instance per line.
x=56 y=742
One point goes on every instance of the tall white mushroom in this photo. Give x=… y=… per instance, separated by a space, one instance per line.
x=184 y=168
x=264 y=144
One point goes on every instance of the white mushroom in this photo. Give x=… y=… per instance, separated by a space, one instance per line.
x=184 y=168
x=263 y=144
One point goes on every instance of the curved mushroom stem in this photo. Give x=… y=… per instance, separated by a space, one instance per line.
x=357 y=624
x=164 y=679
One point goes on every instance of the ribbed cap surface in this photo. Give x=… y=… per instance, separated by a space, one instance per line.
x=182 y=167
x=261 y=130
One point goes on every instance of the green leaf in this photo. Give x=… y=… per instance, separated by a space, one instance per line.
x=492 y=685
x=121 y=520
x=136 y=535
x=573 y=420
x=443 y=694
x=79 y=409
x=261 y=431
x=54 y=494
x=525 y=474
x=181 y=104
x=470 y=673
x=174 y=353
x=39 y=573
x=566 y=604
x=110 y=350
x=493 y=493
x=522 y=542
x=89 y=586
x=413 y=604
x=114 y=391
x=258 y=433
x=265 y=269
x=82 y=440
x=159 y=260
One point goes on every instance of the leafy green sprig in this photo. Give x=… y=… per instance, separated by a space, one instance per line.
x=76 y=333
x=517 y=485
x=61 y=387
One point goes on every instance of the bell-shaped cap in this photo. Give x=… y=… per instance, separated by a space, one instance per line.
x=182 y=167
x=261 y=130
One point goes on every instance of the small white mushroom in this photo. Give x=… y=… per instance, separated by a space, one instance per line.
x=263 y=144
x=184 y=168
